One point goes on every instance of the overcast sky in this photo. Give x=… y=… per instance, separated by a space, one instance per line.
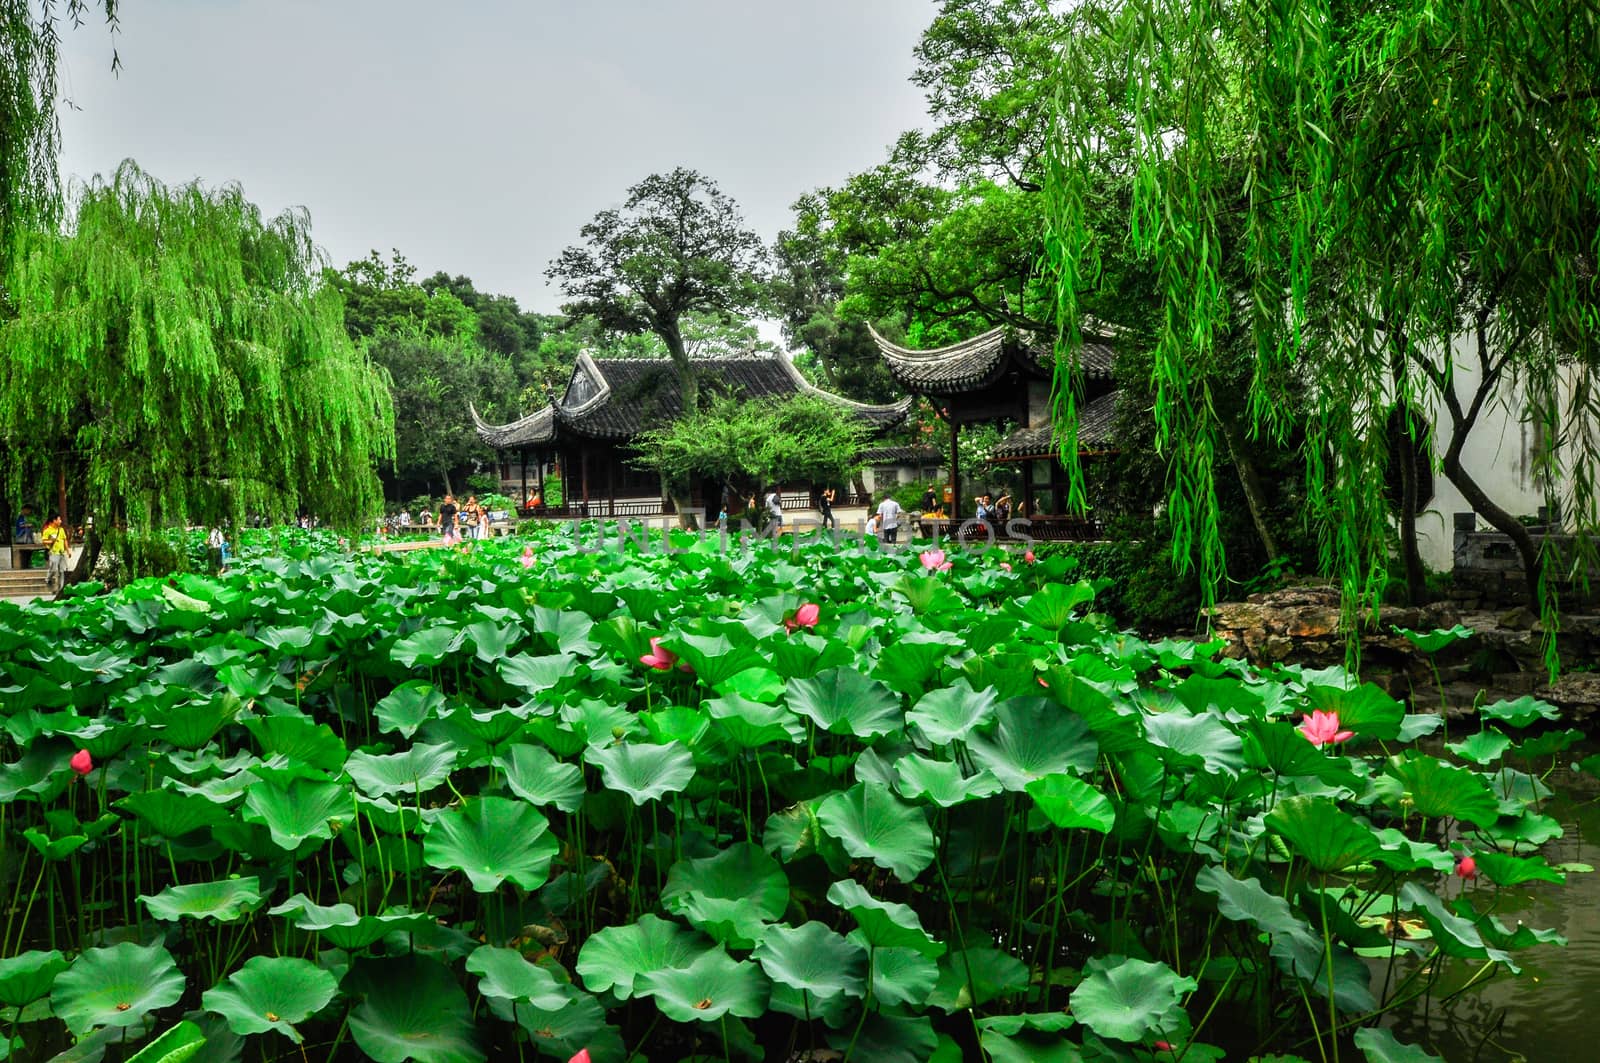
x=478 y=136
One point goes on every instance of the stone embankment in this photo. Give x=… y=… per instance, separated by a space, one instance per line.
x=1505 y=655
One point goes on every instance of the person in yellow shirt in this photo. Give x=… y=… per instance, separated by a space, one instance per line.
x=55 y=537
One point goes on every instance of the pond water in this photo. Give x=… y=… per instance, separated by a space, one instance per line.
x=1547 y=1015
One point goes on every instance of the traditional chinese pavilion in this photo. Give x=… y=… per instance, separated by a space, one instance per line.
x=589 y=431
x=1001 y=376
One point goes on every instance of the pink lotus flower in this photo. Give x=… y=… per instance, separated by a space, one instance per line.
x=1467 y=867
x=1322 y=728
x=660 y=659
x=82 y=762
x=1006 y=565
x=1028 y=557
x=933 y=560
x=527 y=557
x=1162 y=1046
x=805 y=616
x=581 y=1057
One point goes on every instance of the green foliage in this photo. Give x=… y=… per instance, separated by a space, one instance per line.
x=176 y=343
x=757 y=443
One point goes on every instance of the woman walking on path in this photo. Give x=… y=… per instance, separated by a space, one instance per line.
x=447 y=520
x=825 y=503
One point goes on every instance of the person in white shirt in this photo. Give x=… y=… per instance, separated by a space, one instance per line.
x=774 y=513
x=889 y=520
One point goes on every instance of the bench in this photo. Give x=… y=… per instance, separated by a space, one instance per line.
x=22 y=554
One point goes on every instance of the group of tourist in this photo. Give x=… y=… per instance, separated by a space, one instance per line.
x=470 y=520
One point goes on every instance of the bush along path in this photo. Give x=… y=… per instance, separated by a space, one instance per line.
x=533 y=800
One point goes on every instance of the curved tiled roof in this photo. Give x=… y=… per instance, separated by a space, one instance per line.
x=901 y=456
x=537 y=427
x=617 y=398
x=978 y=362
x=1096 y=428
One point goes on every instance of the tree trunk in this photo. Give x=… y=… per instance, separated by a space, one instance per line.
x=1250 y=480
x=445 y=474
x=1416 y=577
x=689 y=389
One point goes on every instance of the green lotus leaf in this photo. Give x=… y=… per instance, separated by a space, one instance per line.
x=1519 y=712
x=643 y=772
x=1435 y=640
x=299 y=739
x=117 y=986
x=1364 y=709
x=1323 y=834
x=1193 y=741
x=568 y=630
x=28 y=976
x=1055 y=603
x=1380 y=1045
x=812 y=959
x=752 y=724
x=942 y=781
x=176 y=1045
x=883 y=924
x=1507 y=870
x=1454 y=935
x=1031 y=1046
x=1072 y=804
x=1007 y=674
x=271 y=993
x=1034 y=737
x=844 y=701
x=614 y=958
x=1201 y=694
x=413 y=1009
x=711 y=986
x=1281 y=748
x=1548 y=743
x=899 y=975
x=504 y=974
x=537 y=777
x=54 y=849
x=714 y=659
x=171 y=814
x=677 y=723
x=426 y=648
x=951 y=713
x=873 y=824
x=1130 y=1000
x=298 y=812
x=42 y=771
x=887 y=1038
x=417 y=770
x=1437 y=789
x=908 y=664
x=974 y=977
x=492 y=839
x=731 y=895
x=224 y=900
x=757 y=684
x=577 y=1025
x=343 y=927
x=409 y=706
x=491 y=642
x=192 y=724
x=538 y=675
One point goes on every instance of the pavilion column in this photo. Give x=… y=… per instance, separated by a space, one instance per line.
x=522 y=503
x=583 y=459
x=955 y=467
x=542 y=501
x=611 y=486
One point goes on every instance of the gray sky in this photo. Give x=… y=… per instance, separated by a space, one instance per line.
x=478 y=136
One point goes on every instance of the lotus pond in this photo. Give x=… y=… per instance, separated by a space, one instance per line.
x=559 y=794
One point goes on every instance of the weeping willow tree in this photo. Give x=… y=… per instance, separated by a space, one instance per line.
x=1399 y=199
x=181 y=350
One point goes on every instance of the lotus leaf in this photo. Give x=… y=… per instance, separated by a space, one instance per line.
x=342 y=926
x=643 y=772
x=492 y=839
x=1130 y=1000
x=883 y=924
x=412 y=1009
x=1324 y=834
x=271 y=993
x=408 y=706
x=504 y=974
x=942 y=781
x=730 y=896
x=1437 y=789
x=28 y=976
x=540 y=779
x=844 y=701
x=614 y=958
x=1034 y=737
x=873 y=824
x=812 y=959
x=117 y=986
x=299 y=739
x=224 y=901
x=711 y=986
x=418 y=769
x=951 y=713
x=297 y=813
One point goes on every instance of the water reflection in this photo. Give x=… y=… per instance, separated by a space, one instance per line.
x=1544 y=1015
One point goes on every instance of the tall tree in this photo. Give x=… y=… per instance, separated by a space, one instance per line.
x=180 y=346
x=1420 y=181
x=678 y=246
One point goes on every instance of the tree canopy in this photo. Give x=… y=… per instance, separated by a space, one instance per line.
x=179 y=347
x=1405 y=182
